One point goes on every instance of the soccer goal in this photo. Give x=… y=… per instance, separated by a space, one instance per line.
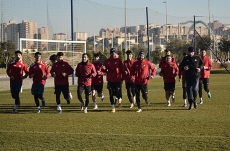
x=72 y=50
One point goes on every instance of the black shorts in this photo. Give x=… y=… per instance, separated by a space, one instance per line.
x=204 y=81
x=87 y=89
x=97 y=88
x=169 y=86
x=37 y=88
x=129 y=85
x=114 y=85
x=143 y=88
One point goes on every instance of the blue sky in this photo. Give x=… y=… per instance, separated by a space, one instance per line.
x=92 y=15
x=219 y=8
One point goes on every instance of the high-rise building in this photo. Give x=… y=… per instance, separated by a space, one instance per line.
x=82 y=36
x=43 y=33
x=11 y=32
x=60 y=36
x=27 y=30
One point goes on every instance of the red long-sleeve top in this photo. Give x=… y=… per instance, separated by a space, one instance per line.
x=163 y=61
x=17 y=69
x=140 y=71
x=98 y=79
x=85 y=72
x=59 y=68
x=169 y=71
x=127 y=67
x=40 y=72
x=205 y=73
x=114 y=69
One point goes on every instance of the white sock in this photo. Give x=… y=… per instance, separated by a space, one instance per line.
x=59 y=106
x=113 y=106
x=185 y=102
x=95 y=103
x=168 y=101
x=201 y=99
x=39 y=107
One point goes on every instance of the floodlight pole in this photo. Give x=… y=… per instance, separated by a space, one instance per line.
x=125 y=31
x=72 y=40
x=147 y=19
x=194 y=33
x=166 y=17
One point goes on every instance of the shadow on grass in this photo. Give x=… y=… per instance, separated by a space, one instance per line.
x=52 y=109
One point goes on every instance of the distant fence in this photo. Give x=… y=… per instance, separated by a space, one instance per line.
x=89 y=17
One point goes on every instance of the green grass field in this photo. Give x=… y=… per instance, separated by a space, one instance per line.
x=158 y=127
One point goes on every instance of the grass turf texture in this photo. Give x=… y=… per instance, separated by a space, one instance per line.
x=158 y=127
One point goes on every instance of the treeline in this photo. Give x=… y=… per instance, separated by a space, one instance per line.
x=176 y=46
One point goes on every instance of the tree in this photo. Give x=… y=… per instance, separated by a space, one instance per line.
x=156 y=55
x=7 y=50
x=137 y=48
x=224 y=46
x=177 y=47
x=121 y=54
x=201 y=44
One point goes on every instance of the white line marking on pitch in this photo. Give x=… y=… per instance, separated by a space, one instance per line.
x=111 y=134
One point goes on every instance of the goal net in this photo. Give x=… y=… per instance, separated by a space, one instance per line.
x=71 y=49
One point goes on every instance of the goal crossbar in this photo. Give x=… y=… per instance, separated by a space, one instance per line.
x=58 y=41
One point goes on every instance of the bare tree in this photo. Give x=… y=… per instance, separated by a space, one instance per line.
x=7 y=50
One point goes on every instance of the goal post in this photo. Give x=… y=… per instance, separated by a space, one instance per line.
x=35 y=45
x=73 y=50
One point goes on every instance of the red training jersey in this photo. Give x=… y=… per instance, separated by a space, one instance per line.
x=127 y=67
x=163 y=61
x=85 y=72
x=17 y=69
x=40 y=72
x=140 y=71
x=98 y=79
x=59 y=68
x=205 y=73
x=169 y=71
x=115 y=69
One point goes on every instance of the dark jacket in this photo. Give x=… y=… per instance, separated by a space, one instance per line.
x=193 y=63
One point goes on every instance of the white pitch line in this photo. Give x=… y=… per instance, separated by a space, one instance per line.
x=111 y=134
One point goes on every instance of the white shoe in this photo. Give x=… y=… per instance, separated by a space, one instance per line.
x=168 y=102
x=139 y=110
x=59 y=110
x=102 y=97
x=131 y=105
x=82 y=106
x=70 y=96
x=113 y=110
x=173 y=98
x=95 y=107
x=85 y=110
x=119 y=102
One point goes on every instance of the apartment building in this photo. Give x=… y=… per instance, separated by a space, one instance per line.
x=82 y=36
x=43 y=33
x=27 y=30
